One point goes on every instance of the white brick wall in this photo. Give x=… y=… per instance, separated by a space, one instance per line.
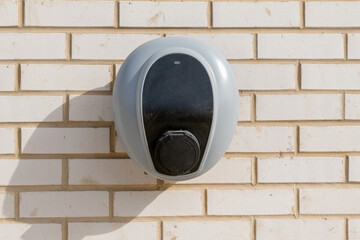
x=291 y=171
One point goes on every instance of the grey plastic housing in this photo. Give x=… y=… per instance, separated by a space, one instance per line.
x=127 y=101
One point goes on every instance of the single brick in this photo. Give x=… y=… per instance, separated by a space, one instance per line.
x=7 y=76
x=7 y=203
x=7 y=140
x=90 y=108
x=354 y=46
x=64 y=204
x=250 y=202
x=207 y=230
x=330 y=76
x=256 y=14
x=233 y=170
x=301 y=46
x=38 y=231
x=263 y=139
x=30 y=172
x=106 y=46
x=330 y=139
x=329 y=201
x=354 y=229
x=78 y=13
x=332 y=14
x=31 y=108
x=232 y=46
x=112 y=230
x=157 y=203
x=107 y=171
x=163 y=14
x=65 y=140
x=354 y=169
x=305 y=169
x=32 y=45
x=244 y=108
x=352 y=110
x=8 y=13
x=299 y=107
x=264 y=76
x=65 y=77
x=284 y=229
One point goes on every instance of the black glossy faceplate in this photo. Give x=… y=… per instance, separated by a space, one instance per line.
x=177 y=95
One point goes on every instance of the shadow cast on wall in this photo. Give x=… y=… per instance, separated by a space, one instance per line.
x=68 y=173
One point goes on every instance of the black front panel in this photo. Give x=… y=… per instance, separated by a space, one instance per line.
x=177 y=96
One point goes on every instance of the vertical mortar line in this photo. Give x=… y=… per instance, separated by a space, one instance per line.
x=17 y=77
x=16 y=205
x=346 y=168
x=68 y=46
x=160 y=230
x=253 y=229
x=298 y=76
x=302 y=14
x=345 y=229
x=113 y=73
x=21 y=13
x=345 y=36
x=254 y=171
x=64 y=229
x=111 y=203
x=204 y=201
x=66 y=107
x=253 y=107
x=17 y=142
x=209 y=14
x=163 y=35
x=116 y=14
x=343 y=105
x=112 y=138
x=159 y=184
x=65 y=173
x=296 y=139
x=255 y=46
x=296 y=202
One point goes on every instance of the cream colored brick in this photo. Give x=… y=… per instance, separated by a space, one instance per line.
x=305 y=169
x=64 y=204
x=244 y=108
x=209 y=230
x=284 y=229
x=107 y=46
x=107 y=171
x=352 y=103
x=90 y=108
x=329 y=201
x=7 y=76
x=232 y=46
x=65 y=77
x=332 y=14
x=263 y=139
x=43 y=231
x=234 y=170
x=31 y=108
x=113 y=231
x=354 y=229
x=299 y=107
x=163 y=14
x=354 y=46
x=330 y=139
x=158 y=203
x=7 y=204
x=8 y=13
x=250 y=202
x=354 y=169
x=78 y=13
x=7 y=140
x=301 y=46
x=65 y=140
x=264 y=76
x=32 y=45
x=330 y=76
x=30 y=172
x=256 y=14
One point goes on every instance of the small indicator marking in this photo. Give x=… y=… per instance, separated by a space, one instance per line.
x=176 y=62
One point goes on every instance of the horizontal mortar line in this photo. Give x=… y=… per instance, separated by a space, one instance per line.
x=108 y=155
x=293 y=61
x=53 y=93
x=70 y=124
x=293 y=123
x=294 y=92
x=285 y=154
x=62 y=61
x=74 y=188
x=179 y=30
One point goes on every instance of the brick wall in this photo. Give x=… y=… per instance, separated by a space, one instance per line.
x=291 y=172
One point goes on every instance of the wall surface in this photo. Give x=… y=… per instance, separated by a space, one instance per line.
x=291 y=172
